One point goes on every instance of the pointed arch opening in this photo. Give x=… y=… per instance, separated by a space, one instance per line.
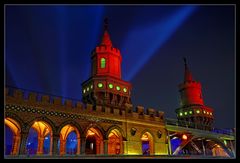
x=147 y=144
x=94 y=141
x=115 y=142
x=69 y=142
x=12 y=136
x=39 y=139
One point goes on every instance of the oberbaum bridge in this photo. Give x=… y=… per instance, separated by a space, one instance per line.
x=105 y=124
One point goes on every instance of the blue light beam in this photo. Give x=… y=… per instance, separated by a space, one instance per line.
x=147 y=40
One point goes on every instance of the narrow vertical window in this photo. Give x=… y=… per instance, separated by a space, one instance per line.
x=103 y=62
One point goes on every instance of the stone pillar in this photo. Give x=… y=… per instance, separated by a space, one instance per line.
x=16 y=143
x=105 y=147
x=51 y=146
x=55 y=144
x=40 y=145
x=98 y=150
x=101 y=147
x=62 y=147
x=121 y=147
x=83 y=145
x=125 y=147
x=78 y=145
x=24 y=136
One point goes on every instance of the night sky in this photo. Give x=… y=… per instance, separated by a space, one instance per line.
x=48 y=49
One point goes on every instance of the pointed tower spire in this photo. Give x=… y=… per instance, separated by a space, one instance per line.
x=106 y=37
x=188 y=74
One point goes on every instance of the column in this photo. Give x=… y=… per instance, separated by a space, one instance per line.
x=125 y=147
x=121 y=147
x=55 y=144
x=98 y=151
x=24 y=136
x=78 y=145
x=16 y=142
x=105 y=147
x=62 y=147
x=40 y=145
x=83 y=145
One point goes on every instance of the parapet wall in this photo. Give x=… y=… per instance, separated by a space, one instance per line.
x=33 y=99
x=103 y=49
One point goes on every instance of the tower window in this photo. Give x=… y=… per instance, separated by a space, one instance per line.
x=190 y=112
x=180 y=113
x=103 y=62
x=100 y=85
x=118 y=88
x=185 y=113
x=125 y=90
x=110 y=86
x=198 y=111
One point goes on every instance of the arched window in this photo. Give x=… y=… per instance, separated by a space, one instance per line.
x=103 y=62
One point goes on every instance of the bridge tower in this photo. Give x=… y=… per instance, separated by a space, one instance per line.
x=192 y=109
x=105 y=86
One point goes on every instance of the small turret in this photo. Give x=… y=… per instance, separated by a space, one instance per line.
x=192 y=108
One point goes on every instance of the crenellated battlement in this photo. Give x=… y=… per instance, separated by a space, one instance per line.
x=57 y=103
x=104 y=49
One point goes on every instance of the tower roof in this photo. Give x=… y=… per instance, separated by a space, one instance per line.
x=106 y=37
x=187 y=75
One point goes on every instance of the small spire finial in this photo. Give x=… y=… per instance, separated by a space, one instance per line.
x=106 y=23
x=188 y=75
x=185 y=60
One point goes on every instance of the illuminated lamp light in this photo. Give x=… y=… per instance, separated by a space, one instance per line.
x=210 y=113
x=185 y=113
x=118 y=88
x=207 y=112
x=197 y=111
x=204 y=112
x=35 y=123
x=184 y=137
x=125 y=90
x=84 y=91
x=46 y=138
x=100 y=85
x=190 y=112
x=218 y=146
x=87 y=88
x=180 y=113
x=110 y=86
x=91 y=86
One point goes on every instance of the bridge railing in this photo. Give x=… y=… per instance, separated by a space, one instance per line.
x=176 y=122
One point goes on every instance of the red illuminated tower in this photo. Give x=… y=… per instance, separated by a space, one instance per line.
x=105 y=86
x=192 y=108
